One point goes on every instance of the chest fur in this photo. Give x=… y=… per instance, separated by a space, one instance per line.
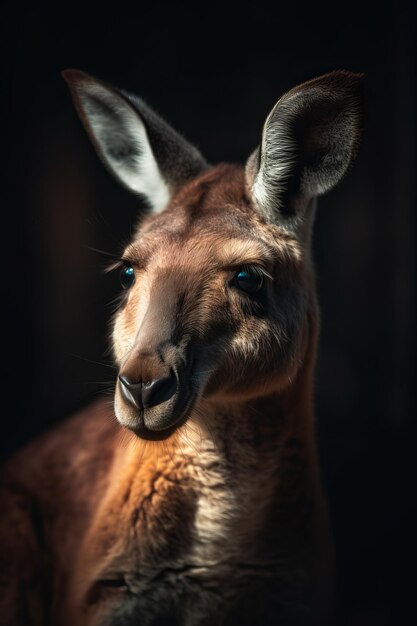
x=173 y=534
x=196 y=511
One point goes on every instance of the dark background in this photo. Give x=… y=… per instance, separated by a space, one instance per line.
x=214 y=72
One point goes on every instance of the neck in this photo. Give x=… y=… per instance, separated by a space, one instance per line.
x=226 y=496
x=238 y=456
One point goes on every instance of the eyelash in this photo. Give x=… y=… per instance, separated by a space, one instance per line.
x=259 y=270
x=118 y=265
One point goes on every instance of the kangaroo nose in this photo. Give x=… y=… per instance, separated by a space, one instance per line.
x=150 y=393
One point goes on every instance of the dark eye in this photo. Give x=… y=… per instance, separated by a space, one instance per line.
x=249 y=280
x=127 y=276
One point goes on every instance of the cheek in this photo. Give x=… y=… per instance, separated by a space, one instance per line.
x=268 y=346
x=251 y=340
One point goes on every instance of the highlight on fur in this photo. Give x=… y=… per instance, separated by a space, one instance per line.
x=194 y=497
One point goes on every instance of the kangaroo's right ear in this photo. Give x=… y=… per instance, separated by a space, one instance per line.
x=139 y=148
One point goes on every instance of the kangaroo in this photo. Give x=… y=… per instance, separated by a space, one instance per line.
x=195 y=499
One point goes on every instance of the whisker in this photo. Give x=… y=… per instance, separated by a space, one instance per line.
x=113 y=256
x=87 y=360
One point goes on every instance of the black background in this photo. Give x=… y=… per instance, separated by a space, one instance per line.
x=214 y=71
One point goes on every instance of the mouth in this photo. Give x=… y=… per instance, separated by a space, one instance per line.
x=155 y=423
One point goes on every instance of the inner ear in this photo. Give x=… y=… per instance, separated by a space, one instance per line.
x=308 y=142
x=122 y=141
x=135 y=144
x=326 y=137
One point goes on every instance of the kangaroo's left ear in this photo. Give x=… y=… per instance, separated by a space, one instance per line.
x=308 y=142
x=136 y=145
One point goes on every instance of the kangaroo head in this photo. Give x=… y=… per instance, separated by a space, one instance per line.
x=218 y=287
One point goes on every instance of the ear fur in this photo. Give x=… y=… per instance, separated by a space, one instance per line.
x=139 y=148
x=309 y=139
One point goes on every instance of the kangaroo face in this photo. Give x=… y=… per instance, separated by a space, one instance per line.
x=218 y=285
x=214 y=305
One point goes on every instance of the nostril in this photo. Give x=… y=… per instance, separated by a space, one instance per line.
x=132 y=390
x=128 y=382
x=157 y=391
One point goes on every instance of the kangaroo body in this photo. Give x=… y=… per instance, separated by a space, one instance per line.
x=196 y=499
x=134 y=533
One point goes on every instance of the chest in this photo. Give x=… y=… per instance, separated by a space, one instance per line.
x=179 y=537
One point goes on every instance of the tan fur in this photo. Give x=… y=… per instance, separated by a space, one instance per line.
x=231 y=500
x=210 y=511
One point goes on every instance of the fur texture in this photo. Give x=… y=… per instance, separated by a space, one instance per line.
x=210 y=511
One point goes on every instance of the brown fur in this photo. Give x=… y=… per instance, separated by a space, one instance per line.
x=103 y=506
x=211 y=510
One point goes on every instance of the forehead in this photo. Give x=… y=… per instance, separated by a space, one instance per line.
x=211 y=217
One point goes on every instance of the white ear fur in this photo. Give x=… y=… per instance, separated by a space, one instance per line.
x=120 y=137
x=276 y=152
x=124 y=144
x=308 y=143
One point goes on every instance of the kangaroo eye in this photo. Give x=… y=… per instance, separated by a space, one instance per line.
x=127 y=276
x=249 y=280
